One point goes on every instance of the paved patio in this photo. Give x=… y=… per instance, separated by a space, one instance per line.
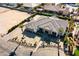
x=7 y=47
x=10 y=18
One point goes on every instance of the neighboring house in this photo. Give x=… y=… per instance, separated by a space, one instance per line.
x=56 y=8
x=10 y=5
x=48 y=25
x=32 y=5
x=28 y=7
x=76 y=19
x=72 y=6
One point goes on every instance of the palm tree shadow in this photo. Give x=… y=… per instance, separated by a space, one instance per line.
x=12 y=54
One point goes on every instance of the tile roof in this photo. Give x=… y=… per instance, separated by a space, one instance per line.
x=49 y=24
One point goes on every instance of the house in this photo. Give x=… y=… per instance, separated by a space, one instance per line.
x=48 y=25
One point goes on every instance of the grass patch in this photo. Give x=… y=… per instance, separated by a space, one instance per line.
x=63 y=17
x=76 y=53
x=46 y=14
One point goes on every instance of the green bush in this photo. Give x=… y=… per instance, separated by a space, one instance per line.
x=76 y=53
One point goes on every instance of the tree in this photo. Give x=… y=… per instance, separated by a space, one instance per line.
x=60 y=32
x=77 y=9
x=70 y=24
x=21 y=26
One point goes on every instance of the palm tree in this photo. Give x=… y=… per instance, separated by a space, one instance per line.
x=21 y=26
x=60 y=32
x=70 y=24
x=78 y=9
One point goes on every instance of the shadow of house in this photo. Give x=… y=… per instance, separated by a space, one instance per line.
x=29 y=33
x=46 y=28
x=45 y=36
